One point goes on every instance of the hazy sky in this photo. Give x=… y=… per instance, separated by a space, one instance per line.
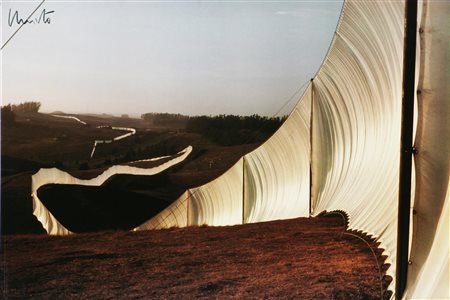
x=198 y=57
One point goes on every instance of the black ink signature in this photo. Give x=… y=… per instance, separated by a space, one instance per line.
x=43 y=18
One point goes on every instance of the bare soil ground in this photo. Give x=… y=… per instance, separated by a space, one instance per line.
x=305 y=258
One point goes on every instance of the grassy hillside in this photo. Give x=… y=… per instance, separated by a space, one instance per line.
x=308 y=258
x=38 y=140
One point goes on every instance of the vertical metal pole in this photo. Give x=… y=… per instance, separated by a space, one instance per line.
x=243 y=189
x=187 y=209
x=311 y=148
x=404 y=195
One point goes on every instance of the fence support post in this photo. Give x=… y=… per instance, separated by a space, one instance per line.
x=406 y=146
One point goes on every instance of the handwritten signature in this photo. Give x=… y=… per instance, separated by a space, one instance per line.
x=43 y=18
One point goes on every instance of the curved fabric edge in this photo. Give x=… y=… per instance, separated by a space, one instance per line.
x=356 y=121
x=219 y=202
x=55 y=176
x=216 y=203
x=277 y=177
x=428 y=273
x=175 y=215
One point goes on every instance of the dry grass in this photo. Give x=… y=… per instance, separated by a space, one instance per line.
x=305 y=258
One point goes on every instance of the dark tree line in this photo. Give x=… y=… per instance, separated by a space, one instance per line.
x=222 y=129
x=8 y=116
x=166 y=119
x=202 y=124
x=234 y=130
x=28 y=107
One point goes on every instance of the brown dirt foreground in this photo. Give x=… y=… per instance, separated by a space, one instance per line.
x=305 y=258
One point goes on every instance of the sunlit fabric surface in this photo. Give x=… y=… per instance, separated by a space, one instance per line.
x=428 y=273
x=356 y=121
x=218 y=202
x=173 y=216
x=277 y=174
x=354 y=149
x=56 y=176
x=270 y=183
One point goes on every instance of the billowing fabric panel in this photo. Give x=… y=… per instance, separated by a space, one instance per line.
x=53 y=175
x=218 y=202
x=428 y=274
x=276 y=179
x=173 y=216
x=356 y=121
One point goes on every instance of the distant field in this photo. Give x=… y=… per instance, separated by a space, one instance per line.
x=40 y=140
x=67 y=144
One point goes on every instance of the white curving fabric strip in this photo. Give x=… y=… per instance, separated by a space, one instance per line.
x=356 y=118
x=70 y=117
x=175 y=215
x=356 y=121
x=131 y=131
x=216 y=203
x=277 y=173
x=428 y=273
x=56 y=176
x=356 y=140
x=219 y=202
x=270 y=183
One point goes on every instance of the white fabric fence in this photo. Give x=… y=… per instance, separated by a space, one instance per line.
x=56 y=176
x=346 y=156
x=355 y=143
